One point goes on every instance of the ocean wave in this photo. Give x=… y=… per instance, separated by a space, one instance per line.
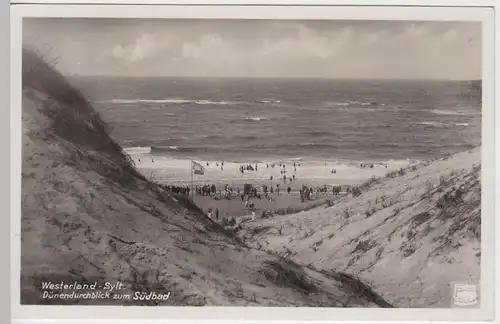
x=353 y=103
x=432 y=123
x=180 y=101
x=454 y=113
x=338 y=104
x=269 y=101
x=377 y=109
x=438 y=124
x=255 y=119
x=173 y=101
x=232 y=138
x=167 y=149
x=137 y=150
x=247 y=118
x=362 y=103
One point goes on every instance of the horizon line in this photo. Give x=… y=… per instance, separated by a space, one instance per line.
x=265 y=77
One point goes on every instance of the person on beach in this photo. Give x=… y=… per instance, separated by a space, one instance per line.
x=217 y=213
x=208 y=164
x=289 y=190
x=284 y=179
x=209 y=214
x=253 y=215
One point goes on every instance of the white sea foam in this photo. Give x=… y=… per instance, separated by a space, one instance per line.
x=256 y=118
x=172 y=101
x=340 y=103
x=137 y=150
x=455 y=113
x=438 y=124
x=432 y=123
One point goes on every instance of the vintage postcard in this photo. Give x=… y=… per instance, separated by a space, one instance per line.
x=283 y=162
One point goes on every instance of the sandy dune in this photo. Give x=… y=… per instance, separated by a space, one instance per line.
x=88 y=215
x=410 y=236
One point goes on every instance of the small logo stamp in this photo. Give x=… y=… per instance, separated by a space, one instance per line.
x=465 y=295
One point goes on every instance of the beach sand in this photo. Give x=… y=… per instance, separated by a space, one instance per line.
x=313 y=174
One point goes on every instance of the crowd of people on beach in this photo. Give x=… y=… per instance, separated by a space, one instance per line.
x=248 y=167
x=214 y=214
x=249 y=194
x=250 y=191
x=183 y=190
x=370 y=165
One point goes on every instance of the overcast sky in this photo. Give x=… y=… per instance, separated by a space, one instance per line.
x=209 y=48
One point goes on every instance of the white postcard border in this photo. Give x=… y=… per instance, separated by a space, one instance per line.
x=261 y=12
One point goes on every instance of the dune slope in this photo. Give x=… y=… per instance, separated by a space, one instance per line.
x=409 y=235
x=88 y=215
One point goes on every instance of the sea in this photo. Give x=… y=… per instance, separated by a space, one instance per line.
x=256 y=120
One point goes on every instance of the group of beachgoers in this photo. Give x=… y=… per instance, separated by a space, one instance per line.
x=250 y=192
x=369 y=165
x=255 y=167
x=248 y=167
x=307 y=193
x=217 y=164
x=183 y=190
x=214 y=214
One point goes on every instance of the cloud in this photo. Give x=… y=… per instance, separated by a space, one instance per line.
x=322 y=49
x=140 y=49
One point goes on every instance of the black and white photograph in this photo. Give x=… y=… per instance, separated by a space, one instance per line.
x=251 y=162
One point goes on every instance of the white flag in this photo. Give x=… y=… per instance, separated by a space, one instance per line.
x=198 y=168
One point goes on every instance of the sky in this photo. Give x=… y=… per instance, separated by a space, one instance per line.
x=258 y=48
